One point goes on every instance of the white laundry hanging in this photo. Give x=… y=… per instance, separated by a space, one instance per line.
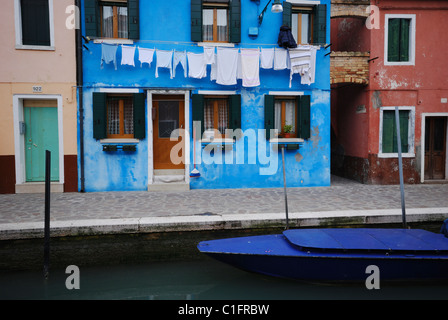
x=209 y=55
x=267 y=58
x=164 y=60
x=309 y=76
x=227 y=63
x=109 y=54
x=196 y=65
x=127 y=55
x=250 y=67
x=145 y=56
x=281 y=60
x=300 y=60
x=180 y=57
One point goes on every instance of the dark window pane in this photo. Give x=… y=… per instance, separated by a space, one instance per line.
x=35 y=22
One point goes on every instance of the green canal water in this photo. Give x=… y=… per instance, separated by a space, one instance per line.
x=165 y=267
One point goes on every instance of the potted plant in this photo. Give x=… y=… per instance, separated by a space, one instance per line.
x=287 y=130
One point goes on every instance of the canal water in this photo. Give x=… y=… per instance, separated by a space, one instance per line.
x=165 y=267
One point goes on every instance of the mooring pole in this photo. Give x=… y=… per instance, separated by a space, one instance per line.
x=400 y=167
x=47 y=214
x=284 y=187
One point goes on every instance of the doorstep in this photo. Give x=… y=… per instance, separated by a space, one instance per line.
x=169 y=180
x=39 y=187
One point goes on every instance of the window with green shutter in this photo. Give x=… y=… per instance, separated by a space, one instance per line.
x=216 y=113
x=281 y=111
x=118 y=116
x=398 y=40
x=35 y=17
x=389 y=138
x=112 y=19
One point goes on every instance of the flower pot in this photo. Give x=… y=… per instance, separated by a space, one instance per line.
x=287 y=135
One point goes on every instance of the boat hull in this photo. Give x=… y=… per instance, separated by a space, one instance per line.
x=275 y=255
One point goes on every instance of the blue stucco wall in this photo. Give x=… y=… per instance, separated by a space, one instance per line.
x=165 y=25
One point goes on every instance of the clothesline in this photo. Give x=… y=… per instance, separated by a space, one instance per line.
x=227 y=64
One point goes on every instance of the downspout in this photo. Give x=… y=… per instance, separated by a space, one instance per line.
x=80 y=84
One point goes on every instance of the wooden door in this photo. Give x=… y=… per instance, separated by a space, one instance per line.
x=168 y=115
x=435 y=147
x=41 y=133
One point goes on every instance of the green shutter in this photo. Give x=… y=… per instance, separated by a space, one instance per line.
x=198 y=112
x=196 y=20
x=235 y=21
x=139 y=115
x=287 y=14
x=393 y=40
x=404 y=39
x=404 y=127
x=92 y=18
x=99 y=115
x=304 y=117
x=320 y=24
x=133 y=19
x=235 y=111
x=268 y=115
x=388 y=132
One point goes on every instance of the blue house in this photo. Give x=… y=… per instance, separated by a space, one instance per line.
x=177 y=85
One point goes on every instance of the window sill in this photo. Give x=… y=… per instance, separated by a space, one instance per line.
x=399 y=63
x=286 y=140
x=31 y=47
x=395 y=155
x=113 y=41
x=216 y=44
x=119 y=141
x=217 y=141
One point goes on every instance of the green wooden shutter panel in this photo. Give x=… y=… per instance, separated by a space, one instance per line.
x=133 y=19
x=404 y=39
x=404 y=127
x=287 y=14
x=198 y=112
x=235 y=21
x=268 y=115
x=393 y=40
x=320 y=24
x=35 y=22
x=235 y=111
x=388 y=132
x=91 y=18
x=99 y=115
x=139 y=115
x=304 y=129
x=196 y=20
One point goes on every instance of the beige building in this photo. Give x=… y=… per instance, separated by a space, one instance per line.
x=38 y=108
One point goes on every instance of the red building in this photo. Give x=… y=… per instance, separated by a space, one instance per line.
x=387 y=54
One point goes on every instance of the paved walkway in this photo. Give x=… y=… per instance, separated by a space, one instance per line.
x=133 y=211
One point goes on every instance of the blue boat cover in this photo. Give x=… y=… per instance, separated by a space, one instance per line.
x=347 y=239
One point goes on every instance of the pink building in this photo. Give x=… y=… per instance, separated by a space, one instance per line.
x=37 y=95
x=394 y=58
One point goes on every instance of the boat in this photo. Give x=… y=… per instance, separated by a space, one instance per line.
x=337 y=254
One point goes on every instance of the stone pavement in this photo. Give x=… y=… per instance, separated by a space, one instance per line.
x=22 y=215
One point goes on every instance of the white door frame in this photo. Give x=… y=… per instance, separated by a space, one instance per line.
x=19 y=139
x=150 y=135
x=422 y=152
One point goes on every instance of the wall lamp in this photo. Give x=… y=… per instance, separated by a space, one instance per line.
x=276 y=7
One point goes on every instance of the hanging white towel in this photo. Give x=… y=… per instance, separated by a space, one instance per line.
x=127 y=55
x=109 y=54
x=214 y=69
x=196 y=65
x=280 y=59
x=164 y=60
x=250 y=67
x=227 y=61
x=300 y=61
x=209 y=55
x=145 y=56
x=180 y=57
x=239 y=70
x=309 y=76
x=267 y=58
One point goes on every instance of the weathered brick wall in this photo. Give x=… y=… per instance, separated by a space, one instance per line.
x=349 y=8
x=349 y=67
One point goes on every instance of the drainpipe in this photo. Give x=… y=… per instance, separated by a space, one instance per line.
x=79 y=84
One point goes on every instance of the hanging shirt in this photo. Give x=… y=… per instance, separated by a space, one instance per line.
x=227 y=63
x=250 y=67
x=281 y=60
x=164 y=60
x=127 y=55
x=309 y=76
x=108 y=54
x=145 y=56
x=267 y=58
x=300 y=59
x=214 y=69
x=196 y=65
x=209 y=55
x=180 y=57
